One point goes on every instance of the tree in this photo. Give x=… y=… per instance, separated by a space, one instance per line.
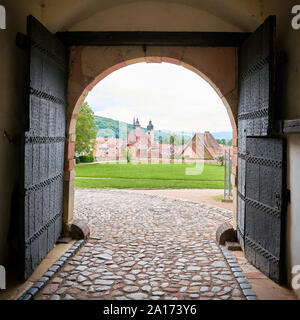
x=127 y=154
x=220 y=160
x=172 y=150
x=86 y=131
x=224 y=142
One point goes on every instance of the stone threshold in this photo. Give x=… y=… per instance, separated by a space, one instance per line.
x=52 y=271
x=238 y=274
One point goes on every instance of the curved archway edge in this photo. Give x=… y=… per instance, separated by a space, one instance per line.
x=89 y=65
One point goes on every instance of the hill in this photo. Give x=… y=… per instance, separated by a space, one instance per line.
x=227 y=135
x=110 y=128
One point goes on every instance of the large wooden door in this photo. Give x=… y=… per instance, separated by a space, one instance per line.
x=261 y=206
x=44 y=141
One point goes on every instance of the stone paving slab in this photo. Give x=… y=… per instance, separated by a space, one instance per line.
x=145 y=247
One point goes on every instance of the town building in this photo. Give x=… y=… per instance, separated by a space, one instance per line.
x=108 y=149
x=202 y=146
x=141 y=144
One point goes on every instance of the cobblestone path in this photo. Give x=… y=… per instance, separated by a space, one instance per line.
x=145 y=247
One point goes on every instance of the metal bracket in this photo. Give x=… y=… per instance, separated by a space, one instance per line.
x=291 y=126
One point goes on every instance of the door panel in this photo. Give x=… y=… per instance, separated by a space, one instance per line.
x=265 y=205
x=256 y=99
x=261 y=156
x=257 y=79
x=44 y=141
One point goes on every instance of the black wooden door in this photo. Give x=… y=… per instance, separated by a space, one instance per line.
x=256 y=98
x=44 y=142
x=256 y=119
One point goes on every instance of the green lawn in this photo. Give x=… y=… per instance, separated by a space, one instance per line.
x=144 y=176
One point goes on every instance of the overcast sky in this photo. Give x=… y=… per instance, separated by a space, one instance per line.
x=173 y=97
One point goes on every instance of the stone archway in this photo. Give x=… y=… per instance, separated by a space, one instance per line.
x=89 y=65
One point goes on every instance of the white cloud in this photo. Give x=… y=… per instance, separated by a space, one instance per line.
x=173 y=97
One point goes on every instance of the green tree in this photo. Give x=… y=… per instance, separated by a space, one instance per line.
x=86 y=131
x=127 y=154
x=172 y=142
x=224 y=142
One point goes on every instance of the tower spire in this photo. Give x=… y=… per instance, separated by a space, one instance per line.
x=150 y=126
x=137 y=123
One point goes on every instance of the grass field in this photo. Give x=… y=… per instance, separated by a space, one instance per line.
x=147 y=176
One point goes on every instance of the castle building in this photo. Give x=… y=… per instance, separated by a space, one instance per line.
x=140 y=142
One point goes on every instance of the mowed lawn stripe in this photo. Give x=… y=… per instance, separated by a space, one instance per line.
x=147 y=184
x=150 y=171
x=148 y=176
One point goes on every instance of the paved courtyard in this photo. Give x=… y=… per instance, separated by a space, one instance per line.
x=145 y=247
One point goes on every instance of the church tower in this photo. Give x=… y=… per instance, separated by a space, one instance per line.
x=150 y=131
x=133 y=123
x=137 y=123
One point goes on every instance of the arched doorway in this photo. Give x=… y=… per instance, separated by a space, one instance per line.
x=216 y=65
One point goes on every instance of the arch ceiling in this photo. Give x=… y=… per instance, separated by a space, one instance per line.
x=217 y=15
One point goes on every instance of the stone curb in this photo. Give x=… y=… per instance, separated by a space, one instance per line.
x=52 y=271
x=238 y=274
